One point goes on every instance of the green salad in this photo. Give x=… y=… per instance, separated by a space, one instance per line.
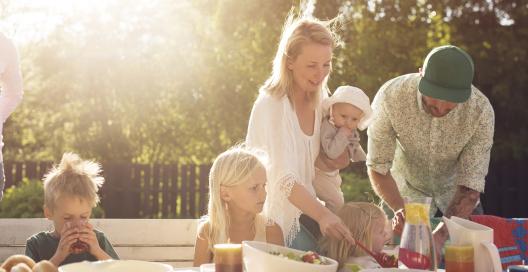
x=307 y=257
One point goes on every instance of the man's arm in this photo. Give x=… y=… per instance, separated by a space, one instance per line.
x=472 y=169
x=381 y=149
x=462 y=205
x=385 y=187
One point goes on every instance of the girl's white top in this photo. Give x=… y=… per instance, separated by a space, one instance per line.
x=10 y=81
x=274 y=128
x=260 y=228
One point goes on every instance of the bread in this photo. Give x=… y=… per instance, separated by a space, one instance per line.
x=21 y=267
x=45 y=266
x=13 y=260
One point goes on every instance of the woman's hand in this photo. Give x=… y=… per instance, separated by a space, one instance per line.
x=332 y=226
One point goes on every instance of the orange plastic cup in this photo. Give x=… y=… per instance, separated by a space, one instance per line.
x=228 y=257
x=459 y=258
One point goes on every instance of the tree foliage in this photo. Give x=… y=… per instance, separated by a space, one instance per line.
x=174 y=81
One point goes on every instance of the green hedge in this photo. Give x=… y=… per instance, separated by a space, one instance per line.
x=26 y=199
x=356 y=187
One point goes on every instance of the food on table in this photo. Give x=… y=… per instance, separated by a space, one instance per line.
x=16 y=259
x=44 y=266
x=264 y=257
x=352 y=267
x=20 y=267
x=386 y=260
x=417 y=213
x=311 y=257
x=307 y=257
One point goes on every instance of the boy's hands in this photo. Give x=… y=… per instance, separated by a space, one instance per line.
x=72 y=234
x=88 y=236
x=68 y=236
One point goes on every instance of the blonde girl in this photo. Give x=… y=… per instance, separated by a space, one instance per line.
x=236 y=197
x=369 y=225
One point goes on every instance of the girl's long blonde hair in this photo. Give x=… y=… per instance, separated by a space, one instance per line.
x=296 y=33
x=360 y=218
x=231 y=168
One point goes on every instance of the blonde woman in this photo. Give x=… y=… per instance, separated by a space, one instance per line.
x=369 y=225
x=236 y=197
x=11 y=90
x=285 y=123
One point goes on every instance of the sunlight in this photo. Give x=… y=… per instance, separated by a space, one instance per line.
x=32 y=20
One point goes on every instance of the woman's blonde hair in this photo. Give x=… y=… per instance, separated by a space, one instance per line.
x=73 y=177
x=360 y=218
x=231 y=168
x=296 y=33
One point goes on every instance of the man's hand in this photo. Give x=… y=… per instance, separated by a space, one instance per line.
x=440 y=236
x=398 y=221
x=462 y=205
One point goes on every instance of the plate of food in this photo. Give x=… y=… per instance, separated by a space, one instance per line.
x=261 y=257
x=116 y=266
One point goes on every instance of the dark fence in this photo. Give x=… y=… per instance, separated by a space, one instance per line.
x=181 y=191
x=138 y=190
x=506 y=191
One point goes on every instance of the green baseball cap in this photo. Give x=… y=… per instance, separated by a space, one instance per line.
x=447 y=74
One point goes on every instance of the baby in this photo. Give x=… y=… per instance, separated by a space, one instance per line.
x=347 y=110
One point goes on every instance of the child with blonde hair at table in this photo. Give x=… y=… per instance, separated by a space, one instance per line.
x=237 y=193
x=70 y=193
x=369 y=225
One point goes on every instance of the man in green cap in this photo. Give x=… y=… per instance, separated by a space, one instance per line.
x=432 y=137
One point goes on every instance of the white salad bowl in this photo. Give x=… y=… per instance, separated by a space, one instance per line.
x=257 y=257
